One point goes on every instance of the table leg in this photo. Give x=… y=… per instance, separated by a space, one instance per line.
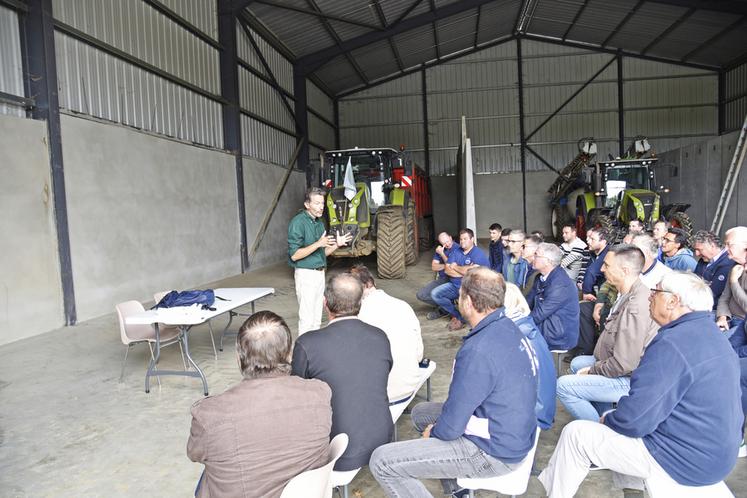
x=153 y=360
x=185 y=342
x=231 y=314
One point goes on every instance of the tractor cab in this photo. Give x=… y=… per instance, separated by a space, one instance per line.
x=626 y=189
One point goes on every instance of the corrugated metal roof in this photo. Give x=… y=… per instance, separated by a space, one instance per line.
x=554 y=18
x=497 y=20
x=416 y=46
x=393 y=9
x=376 y=60
x=339 y=75
x=457 y=32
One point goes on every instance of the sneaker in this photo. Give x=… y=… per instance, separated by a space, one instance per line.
x=455 y=324
x=742 y=450
x=461 y=493
x=436 y=314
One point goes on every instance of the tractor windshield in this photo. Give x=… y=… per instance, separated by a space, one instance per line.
x=635 y=177
x=372 y=167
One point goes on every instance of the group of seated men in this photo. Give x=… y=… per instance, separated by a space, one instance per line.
x=656 y=394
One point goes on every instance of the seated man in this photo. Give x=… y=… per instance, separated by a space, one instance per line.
x=653 y=269
x=714 y=264
x=659 y=231
x=487 y=425
x=680 y=424
x=591 y=284
x=530 y=246
x=241 y=436
x=495 y=247
x=732 y=305
x=517 y=310
x=398 y=321
x=574 y=251
x=515 y=268
x=677 y=256
x=354 y=358
x=459 y=262
x=554 y=300
x=601 y=379
x=438 y=263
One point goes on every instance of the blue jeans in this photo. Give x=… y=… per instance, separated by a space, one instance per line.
x=586 y=397
x=398 y=466
x=424 y=294
x=444 y=296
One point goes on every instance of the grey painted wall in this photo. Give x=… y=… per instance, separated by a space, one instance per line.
x=146 y=214
x=260 y=183
x=695 y=174
x=30 y=294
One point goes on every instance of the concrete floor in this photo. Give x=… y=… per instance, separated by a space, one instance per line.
x=69 y=428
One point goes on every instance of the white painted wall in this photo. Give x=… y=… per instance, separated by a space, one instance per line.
x=30 y=291
x=145 y=213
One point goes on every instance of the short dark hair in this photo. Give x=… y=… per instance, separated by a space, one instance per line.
x=468 y=231
x=707 y=237
x=534 y=239
x=538 y=234
x=263 y=345
x=506 y=232
x=631 y=256
x=496 y=226
x=602 y=233
x=569 y=224
x=485 y=288
x=313 y=191
x=680 y=236
x=362 y=273
x=343 y=295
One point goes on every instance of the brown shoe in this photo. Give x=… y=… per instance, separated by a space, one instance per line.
x=455 y=324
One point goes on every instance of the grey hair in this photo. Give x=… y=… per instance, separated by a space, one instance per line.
x=707 y=237
x=630 y=256
x=520 y=233
x=551 y=252
x=263 y=345
x=343 y=294
x=646 y=243
x=739 y=232
x=692 y=291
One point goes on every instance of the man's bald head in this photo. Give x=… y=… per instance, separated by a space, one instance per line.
x=343 y=295
x=736 y=244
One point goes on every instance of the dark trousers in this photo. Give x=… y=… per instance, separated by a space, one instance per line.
x=587 y=336
x=743 y=383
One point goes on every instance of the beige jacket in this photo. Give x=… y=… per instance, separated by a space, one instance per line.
x=733 y=301
x=259 y=434
x=626 y=334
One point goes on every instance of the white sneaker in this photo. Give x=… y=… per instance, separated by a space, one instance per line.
x=742 y=450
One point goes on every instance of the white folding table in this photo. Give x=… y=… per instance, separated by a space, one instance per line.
x=185 y=317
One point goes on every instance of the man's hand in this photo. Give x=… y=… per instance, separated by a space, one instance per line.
x=584 y=371
x=589 y=297
x=440 y=251
x=723 y=322
x=597 y=314
x=342 y=240
x=601 y=419
x=736 y=272
x=325 y=241
x=427 y=431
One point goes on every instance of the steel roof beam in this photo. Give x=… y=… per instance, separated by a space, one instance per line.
x=728 y=6
x=731 y=27
x=575 y=19
x=684 y=17
x=318 y=14
x=477 y=25
x=623 y=22
x=382 y=19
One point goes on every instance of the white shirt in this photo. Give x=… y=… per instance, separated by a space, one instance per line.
x=398 y=321
x=653 y=275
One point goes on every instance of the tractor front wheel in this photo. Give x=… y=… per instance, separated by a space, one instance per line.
x=390 y=242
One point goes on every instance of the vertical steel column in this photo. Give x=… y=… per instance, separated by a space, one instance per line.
x=42 y=86
x=522 y=139
x=620 y=106
x=336 y=111
x=229 y=88
x=302 y=121
x=721 y=101
x=426 y=140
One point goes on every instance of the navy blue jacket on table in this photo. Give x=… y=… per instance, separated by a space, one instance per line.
x=495 y=251
x=474 y=257
x=555 y=310
x=684 y=401
x=547 y=378
x=716 y=273
x=493 y=391
x=594 y=275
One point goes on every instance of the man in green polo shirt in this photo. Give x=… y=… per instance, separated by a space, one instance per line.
x=308 y=248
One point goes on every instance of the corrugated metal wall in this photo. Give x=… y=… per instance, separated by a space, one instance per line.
x=11 y=67
x=258 y=97
x=95 y=83
x=735 y=97
x=320 y=130
x=201 y=13
x=670 y=104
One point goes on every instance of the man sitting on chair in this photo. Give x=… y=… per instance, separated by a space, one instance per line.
x=398 y=321
x=487 y=425
x=354 y=358
x=267 y=429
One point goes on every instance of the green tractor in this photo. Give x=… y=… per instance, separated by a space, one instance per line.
x=381 y=199
x=610 y=194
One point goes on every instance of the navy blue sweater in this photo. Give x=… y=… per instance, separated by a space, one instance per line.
x=493 y=391
x=716 y=273
x=684 y=401
x=495 y=251
x=555 y=310
x=594 y=275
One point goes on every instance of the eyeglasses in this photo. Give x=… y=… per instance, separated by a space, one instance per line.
x=515 y=241
x=655 y=291
x=667 y=241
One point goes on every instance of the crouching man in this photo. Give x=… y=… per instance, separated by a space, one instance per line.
x=680 y=426
x=487 y=424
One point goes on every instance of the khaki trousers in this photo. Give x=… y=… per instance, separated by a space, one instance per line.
x=310 y=294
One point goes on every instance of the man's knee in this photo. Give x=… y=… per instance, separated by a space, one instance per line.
x=381 y=461
x=565 y=386
x=574 y=432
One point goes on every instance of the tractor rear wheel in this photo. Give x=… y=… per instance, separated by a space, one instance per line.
x=605 y=222
x=411 y=237
x=390 y=242
x=682 y=220
x=559 y=217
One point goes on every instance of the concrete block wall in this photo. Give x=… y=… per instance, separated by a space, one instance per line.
x=30 y=291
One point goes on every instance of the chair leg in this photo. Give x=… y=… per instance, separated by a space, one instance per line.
x=345 y=491
x=428 y=389
x=212 y=339
x=155 y=367
x=124 y=363
x=181 y=351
